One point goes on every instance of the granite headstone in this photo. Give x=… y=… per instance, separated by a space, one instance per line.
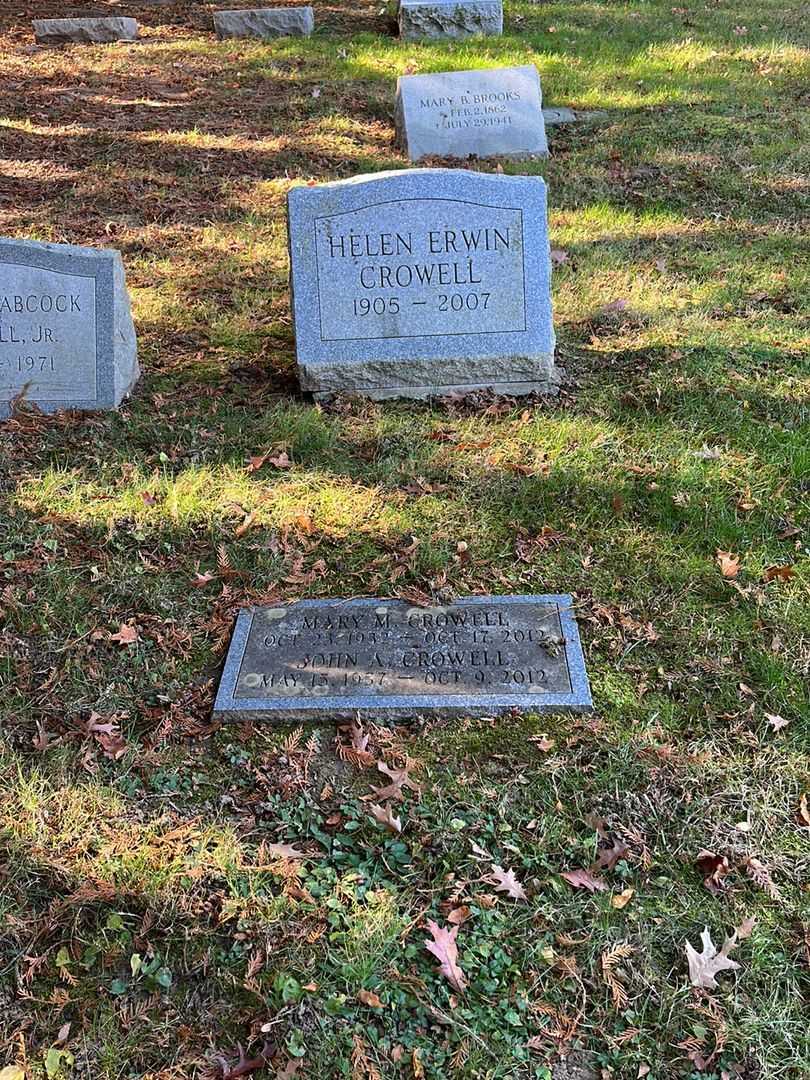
x=87 y=30
x=422 y=282
x=442 y=19
x=66 y=335
x=265 y=22
x=496 y=112
x=387 y=659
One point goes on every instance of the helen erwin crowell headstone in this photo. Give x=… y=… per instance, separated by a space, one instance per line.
x=495 y=112
x=422 y=282
x=387 y=659
x=67 y=340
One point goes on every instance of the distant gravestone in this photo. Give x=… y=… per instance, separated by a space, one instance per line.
x=438 y=19
x=422 y=282
x=265 y=22
x=88 y=30
x=496 y=112
x=386 y=659
x=66 y=335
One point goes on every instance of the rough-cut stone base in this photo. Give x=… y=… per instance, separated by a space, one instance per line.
x=265 y=23
x=512 y=376
x=439 y=19
x=87 y=31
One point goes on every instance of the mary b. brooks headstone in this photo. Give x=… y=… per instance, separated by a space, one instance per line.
x=423 y=282
x=66 y=335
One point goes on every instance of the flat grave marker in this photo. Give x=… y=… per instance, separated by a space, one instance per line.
x=422 y=282
x=449 y=19
x=387 y=659
x=265 y=23
x=66 y=335
x=494 y=112
x=93 y=30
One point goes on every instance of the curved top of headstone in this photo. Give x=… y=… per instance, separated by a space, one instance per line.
x=419 y=281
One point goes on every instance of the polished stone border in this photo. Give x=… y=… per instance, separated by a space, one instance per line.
x=398 y=706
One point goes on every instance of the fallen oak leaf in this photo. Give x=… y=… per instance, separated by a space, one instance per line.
x=622 y=899
x=607 y=858
x=444 y=948
x=127 y=634
x=199 y=581
x=779 y=573
x=729 y=564
x=280 y=460
x=281 y=851
x=705 y=966
x=458 y=916
x=368 y=997
x=506 y=882
x=714 y=868
x=385 y=817
x=400 y=778
x=776 y=722
x=584 y=879
x=542 y=742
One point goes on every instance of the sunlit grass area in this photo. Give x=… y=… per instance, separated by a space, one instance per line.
x=172 y=889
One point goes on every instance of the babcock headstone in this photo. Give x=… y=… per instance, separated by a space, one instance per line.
x=66 y=335
x=87 y=30
x=438 y=19
x=265 y=22
x=387 y=659
x=422 y=282
x=496 y=112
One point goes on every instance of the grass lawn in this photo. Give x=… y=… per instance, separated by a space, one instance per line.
x=142 y=900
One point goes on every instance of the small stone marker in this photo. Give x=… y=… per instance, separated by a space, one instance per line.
x=91 y=30
x=387 y=659
x=438 y=19
x=66 y=334
x=265 y=22
x=562 y=115
x=491 y=113
x=422 y=282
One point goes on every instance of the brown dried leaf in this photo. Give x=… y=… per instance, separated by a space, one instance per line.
x=714 y=869
x=779 y=573
x=729 y=564
x=458 y=916
x=199 y=581
x=622 y=899
x=584 y=879
x=368 y=997
x=127 y=635
x=385 y=817
x=607 y=858
x=444 y=948
x=247 y=523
